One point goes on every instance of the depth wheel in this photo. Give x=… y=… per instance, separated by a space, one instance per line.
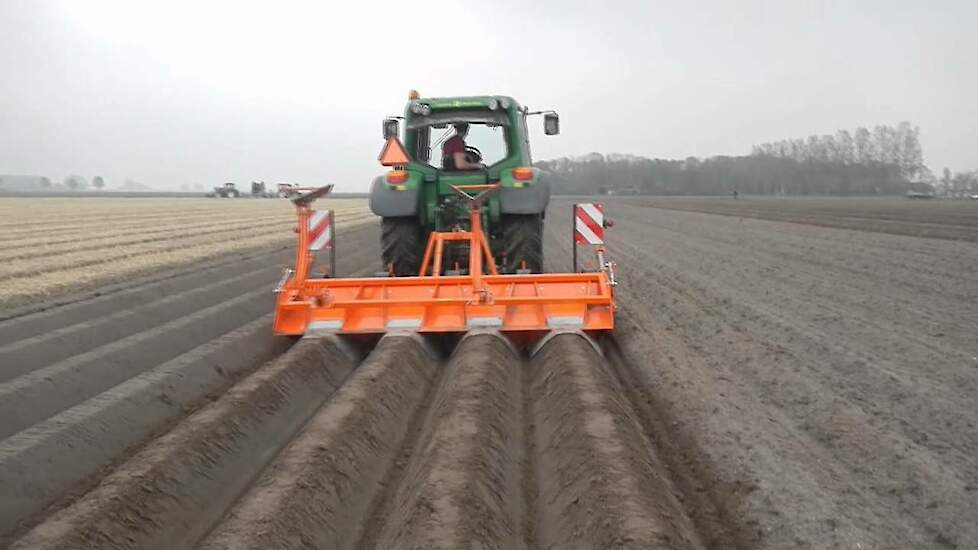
x=522 y=242
x=402 y=244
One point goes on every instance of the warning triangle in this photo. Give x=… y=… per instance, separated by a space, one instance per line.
x=393 y=153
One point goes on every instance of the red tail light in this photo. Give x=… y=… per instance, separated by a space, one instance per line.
x=523 y=173
x=397 y=176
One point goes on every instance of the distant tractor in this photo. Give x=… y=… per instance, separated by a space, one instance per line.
x=226 y=191
x=259 y=191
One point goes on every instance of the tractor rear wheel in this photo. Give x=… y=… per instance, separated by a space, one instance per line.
x=402 y=244
x=522 y=242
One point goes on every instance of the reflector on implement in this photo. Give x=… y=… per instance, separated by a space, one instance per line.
x=524 y=306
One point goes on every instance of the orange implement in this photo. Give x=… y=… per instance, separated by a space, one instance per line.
x=432 y=302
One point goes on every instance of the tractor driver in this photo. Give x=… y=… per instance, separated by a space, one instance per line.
x=453 y=152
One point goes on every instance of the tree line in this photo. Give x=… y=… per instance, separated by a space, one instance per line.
x=898 y=147
x=44 y=183
x=884 y=160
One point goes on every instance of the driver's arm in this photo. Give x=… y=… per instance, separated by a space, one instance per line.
x=462 y=162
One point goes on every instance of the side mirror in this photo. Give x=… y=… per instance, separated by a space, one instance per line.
x=391 y=128
x=551 y=124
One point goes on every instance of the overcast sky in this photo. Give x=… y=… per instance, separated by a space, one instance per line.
x=183 y=92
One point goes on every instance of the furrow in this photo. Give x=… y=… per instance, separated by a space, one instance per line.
x=37 y=395
x=689 y=471
x=36 y=472
x=49 y=317
x=29 y=354
x=601 y=482
x=174 y=490
x=462 y=486
x=319 y=490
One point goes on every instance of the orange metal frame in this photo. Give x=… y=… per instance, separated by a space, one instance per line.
x=434 y=302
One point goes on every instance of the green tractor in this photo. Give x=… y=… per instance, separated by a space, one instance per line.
x=418 y=197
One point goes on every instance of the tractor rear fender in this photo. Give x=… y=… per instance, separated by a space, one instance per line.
x=529 y=199
x=390 y=201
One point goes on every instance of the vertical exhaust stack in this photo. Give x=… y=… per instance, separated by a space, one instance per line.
x=525 y=307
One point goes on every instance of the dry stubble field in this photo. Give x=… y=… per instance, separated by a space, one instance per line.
x=53 y=245
x=770 y=384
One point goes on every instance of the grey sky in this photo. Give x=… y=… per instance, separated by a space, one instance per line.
x=203 y=92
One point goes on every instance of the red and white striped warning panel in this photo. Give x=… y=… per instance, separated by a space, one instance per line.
x=320 y=229
x=589 y=223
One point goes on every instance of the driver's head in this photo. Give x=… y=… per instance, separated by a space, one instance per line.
x=461 y=128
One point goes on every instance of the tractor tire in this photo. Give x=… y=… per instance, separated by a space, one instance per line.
x=522 y=242
x=402 y=245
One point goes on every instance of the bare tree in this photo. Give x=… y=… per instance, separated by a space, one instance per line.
x=845 y=147
x=864 y=146
x=910 y=154
x=812 y=149
x=946 y=180
x=884 y=145
x=798 y=150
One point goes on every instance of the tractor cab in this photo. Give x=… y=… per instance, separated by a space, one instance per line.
x=497 y=139
x=486 y=138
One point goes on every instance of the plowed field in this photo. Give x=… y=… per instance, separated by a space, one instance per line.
x=770 y=385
